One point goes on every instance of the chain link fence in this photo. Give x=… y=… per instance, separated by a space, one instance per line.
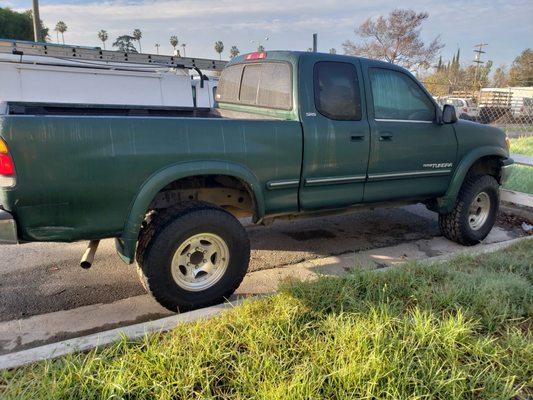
x=510 y=108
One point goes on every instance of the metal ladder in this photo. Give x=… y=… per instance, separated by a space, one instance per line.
x=97 y=55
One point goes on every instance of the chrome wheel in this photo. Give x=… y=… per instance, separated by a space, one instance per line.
x=479 y=211
x=200 y=262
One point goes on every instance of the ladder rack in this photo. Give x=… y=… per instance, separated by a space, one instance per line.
x=96 y=54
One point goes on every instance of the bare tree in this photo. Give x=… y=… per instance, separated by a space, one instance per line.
x=219 y=48
x=396 y=39
x=103 y=36
x=137 y=35
x=234 y=52
x=61 y=27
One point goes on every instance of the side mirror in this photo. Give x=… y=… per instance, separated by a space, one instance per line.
x=448 y=114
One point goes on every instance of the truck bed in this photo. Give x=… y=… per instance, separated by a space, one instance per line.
x=79 y=168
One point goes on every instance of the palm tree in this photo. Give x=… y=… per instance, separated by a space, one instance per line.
x=183 y=47
x=234 y=52
x=137 y=35
x=103 y=36
x=219 y=48
x=61 y=27
x=174 y=42
x=260 y=48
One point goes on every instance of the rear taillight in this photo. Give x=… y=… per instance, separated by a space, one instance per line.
x=7 y=168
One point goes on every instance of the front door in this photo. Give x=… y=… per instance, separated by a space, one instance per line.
x=412 y=156
x=336 y=133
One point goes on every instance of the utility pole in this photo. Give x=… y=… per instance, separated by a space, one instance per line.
x=477 y=58
x=36 y=21
x=315 y=42
x=157 y=47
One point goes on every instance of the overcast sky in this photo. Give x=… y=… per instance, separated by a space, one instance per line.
x=506 y=25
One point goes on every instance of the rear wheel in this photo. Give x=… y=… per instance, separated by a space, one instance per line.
x=474 y=212
x=192 y=256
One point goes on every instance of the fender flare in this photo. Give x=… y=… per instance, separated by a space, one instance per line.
x=445 y=203
x=127 y=242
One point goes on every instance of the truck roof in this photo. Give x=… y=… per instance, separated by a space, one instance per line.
x=294 y=56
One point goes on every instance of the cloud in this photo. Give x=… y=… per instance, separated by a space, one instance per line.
x=289 y=24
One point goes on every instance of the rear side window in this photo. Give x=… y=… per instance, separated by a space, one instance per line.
x=337 y=93
x=266 y=84
x=229 y=84
x=397 y=96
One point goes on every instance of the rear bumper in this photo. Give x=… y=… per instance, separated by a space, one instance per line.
x=8 y=228
x=506 y=170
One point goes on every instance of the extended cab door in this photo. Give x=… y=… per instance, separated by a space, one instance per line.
x=336 y=132
x=411 y=156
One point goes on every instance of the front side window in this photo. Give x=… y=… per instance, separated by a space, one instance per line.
x=266 y=84
x=337 y=93
x=397 y=96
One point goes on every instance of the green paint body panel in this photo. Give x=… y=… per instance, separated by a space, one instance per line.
x=86 y=177
x=92 y=177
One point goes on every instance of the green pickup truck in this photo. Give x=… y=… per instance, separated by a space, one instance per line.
x=293 y=134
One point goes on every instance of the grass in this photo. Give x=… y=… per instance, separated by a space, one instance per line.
x=522 y=145
x=521 y=179
x=456 y=330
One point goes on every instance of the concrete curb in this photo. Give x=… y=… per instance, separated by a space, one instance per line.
x=89 y=342
x=522 y=159
x=473 y=251
x=337 y=266
x=468 y=251
x=518 y=198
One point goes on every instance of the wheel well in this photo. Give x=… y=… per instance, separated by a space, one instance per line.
x=228 y=192
x=488 y=165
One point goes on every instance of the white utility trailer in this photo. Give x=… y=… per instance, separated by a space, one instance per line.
x=44 y=72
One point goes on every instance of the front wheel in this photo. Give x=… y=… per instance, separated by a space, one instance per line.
x=192 y=256
x=474 y=212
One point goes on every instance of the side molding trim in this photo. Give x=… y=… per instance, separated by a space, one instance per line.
x=410 y=174
x=283 y=184
x=333 y=180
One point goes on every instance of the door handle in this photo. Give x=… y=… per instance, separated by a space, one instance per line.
x=357 y=138
x=385 y=137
